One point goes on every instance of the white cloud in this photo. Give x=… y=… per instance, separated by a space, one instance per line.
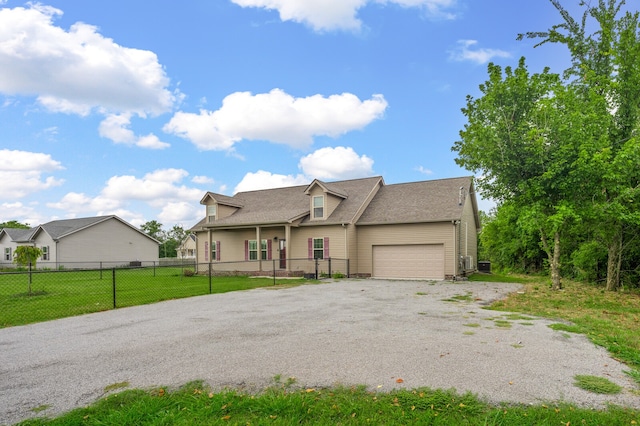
x=21 y=173
x=266 y=180
x=326 y=163
x=336 y=163
x=424 y=171
x=116 y=128
x=156 y=188
x=181 y=212
x=160 y=189
x=327 y=15
x=202 y=180
x=480 y=56
x=276 y=117
x=21 y=213
x=77 y=70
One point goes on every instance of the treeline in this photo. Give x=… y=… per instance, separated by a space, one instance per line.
x=561 y=153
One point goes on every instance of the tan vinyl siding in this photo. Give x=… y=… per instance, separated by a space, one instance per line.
x=299 y=248
x=331 y=202
x=108 y=241
x=225 y=211
x=402 y=234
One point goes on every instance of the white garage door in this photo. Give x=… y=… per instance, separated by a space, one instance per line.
x=409 y=261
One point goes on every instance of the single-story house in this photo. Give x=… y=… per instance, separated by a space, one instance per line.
x=187 y=248
x=422 y=229
x=82 y=243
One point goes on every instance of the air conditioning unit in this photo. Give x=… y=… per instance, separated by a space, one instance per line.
x=468 y=263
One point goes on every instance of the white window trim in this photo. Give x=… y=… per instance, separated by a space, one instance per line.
x=212 y=217
x=313 y=206
x=253 y=250
x=321 y=248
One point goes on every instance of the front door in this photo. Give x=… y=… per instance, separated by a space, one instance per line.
x=283 y=254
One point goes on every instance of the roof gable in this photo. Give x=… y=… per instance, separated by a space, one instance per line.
x=329 y=188
x=290 y=204
x=221 y=199
x=17 y=235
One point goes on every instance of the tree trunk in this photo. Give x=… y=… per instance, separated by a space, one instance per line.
x=614 y=262
x=554 y=258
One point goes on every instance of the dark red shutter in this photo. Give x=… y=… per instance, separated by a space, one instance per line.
x=269 y=247
x=246 y=249
x=206 y=251
x=326 y=247
x=218 y=250
x=310 y=248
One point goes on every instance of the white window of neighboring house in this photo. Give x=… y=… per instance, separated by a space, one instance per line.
x=253 y=250
x=318 y=207
x=263 y=250
x=7 y=253
x=318 y=248
x=212 y=211
x=45 y=252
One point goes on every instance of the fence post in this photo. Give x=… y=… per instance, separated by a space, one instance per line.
x=113 y=281
x=209 y=277
x=330 y=267
x=316 y=268
x=154 y=268
x=30 y=278
x=348 y=272
x=274 y=272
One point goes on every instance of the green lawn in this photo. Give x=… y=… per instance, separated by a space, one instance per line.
x=58 y=294
x=284 y=404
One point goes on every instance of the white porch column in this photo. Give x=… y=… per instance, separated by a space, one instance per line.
x=287 y=245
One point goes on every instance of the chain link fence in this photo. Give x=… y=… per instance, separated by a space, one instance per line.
x=34 y=295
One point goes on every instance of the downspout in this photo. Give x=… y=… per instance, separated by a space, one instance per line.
x=456 y=249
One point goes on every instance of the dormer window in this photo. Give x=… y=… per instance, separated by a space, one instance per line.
x=318 y=207
x=211 y=213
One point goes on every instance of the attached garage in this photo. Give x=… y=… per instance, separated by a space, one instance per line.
x=409 y=261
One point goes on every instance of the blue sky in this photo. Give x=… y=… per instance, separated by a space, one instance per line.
x=138 y=108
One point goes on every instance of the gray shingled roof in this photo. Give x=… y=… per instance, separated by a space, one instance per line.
x=284 y=205
x=426 y=201
x=61 y=228
x=18 y=235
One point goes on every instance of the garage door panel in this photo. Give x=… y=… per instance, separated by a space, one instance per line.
x=409 y=261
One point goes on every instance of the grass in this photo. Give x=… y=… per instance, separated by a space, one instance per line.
x=57 y=294
x=195 y=404
x=609 y=319
x=597 y=384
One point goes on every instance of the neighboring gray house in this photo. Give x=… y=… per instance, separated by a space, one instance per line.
x=424 y=230
x=82 y=243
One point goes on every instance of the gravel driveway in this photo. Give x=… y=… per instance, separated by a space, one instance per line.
x=368 y=332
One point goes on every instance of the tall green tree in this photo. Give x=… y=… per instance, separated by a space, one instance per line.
x=153 y=228
x=605 y=66
x=531 y=138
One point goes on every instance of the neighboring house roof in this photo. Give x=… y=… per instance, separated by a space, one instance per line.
x=18 y=235
x=426 y=201
x=58 y=229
